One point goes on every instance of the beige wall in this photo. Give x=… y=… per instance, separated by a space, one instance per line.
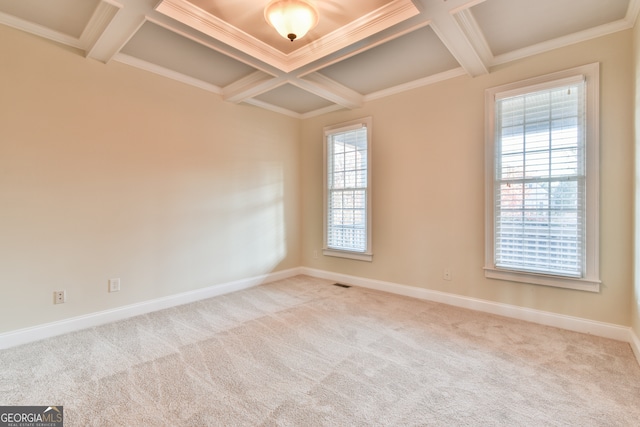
x=428 y=186
x=109 y=171
x=635 y=301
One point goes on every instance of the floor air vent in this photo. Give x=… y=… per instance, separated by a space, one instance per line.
x=341 y=285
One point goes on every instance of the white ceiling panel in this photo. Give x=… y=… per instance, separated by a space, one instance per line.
x=514 y=24
x=360 y=49
x=64 y=16
x=157 y=45
x=244 y=15
x=410 y=57
x=294 y=99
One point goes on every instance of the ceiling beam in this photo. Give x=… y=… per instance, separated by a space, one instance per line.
x=632 y=12
x=101 y=18
x=455 y=39
x=474 y=34
x=254 y=84
x=126 y=22
x=457 y=33
x=329 y=89
x=392 y=13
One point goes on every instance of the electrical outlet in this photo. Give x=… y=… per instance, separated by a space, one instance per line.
x=114 y=285
x=59 y=297
x=446 y=274
x=315 y=254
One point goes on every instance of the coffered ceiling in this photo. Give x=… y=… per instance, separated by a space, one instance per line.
x=360 y=50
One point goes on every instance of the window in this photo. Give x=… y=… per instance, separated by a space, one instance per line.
x=347 y=195
x=542 y=180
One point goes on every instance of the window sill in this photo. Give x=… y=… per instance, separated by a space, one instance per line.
x=360 y=256
x=544 y=280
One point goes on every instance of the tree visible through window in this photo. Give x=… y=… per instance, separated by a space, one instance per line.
x=543 y=187
x=347 y=193
x=540 y=181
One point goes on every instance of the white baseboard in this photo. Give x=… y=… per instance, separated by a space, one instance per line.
x=634 y=341
x=35 y=333
x=577 y=324
x=606 y=330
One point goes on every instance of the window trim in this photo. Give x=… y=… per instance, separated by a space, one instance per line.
x=367 y=255
x=591 y=278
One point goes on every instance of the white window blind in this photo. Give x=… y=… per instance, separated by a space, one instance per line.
x=348 y=190
x=347 y=213
x=539 y=185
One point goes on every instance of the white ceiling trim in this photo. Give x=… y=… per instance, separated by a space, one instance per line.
x=124 y=25
x=257 y=83
x=40 y=31
x=194 y=17
x=114 y=22
x=329 y=89
x=454 y=38
x=270 y=107
x=182 y=78
x=559 y=42
x=321 y=111
x=632 y=12
x=165 y=72
x=626 y=23
x=349 y=54
x=252 y=85
x=240 y=56
x=379 y=20
x=374 y=22
x=445 y=75
x=102 y=16
x=463 y=5
x=474 y=34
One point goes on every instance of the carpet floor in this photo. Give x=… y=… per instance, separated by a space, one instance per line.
x=302 y=352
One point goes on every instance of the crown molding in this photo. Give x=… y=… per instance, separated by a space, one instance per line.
x=374 y=42
x=580 y=36
x=40 y=31
x=321 y=111
x=391 y=14
x=194 y=17
x=266 y=106
x=165 y=72
x=426 y=81
x=379 y=20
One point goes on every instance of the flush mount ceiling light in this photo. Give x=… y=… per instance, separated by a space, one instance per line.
x=292 y=19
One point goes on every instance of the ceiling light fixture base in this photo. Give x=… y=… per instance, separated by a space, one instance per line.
x=292 y=19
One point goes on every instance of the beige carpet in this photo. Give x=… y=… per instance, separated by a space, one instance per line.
x=301 y=352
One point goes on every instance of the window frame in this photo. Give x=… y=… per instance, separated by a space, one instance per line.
x=590 y=280
x=367 y=254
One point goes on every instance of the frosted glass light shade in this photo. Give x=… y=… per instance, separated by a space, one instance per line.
x=292 y=19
